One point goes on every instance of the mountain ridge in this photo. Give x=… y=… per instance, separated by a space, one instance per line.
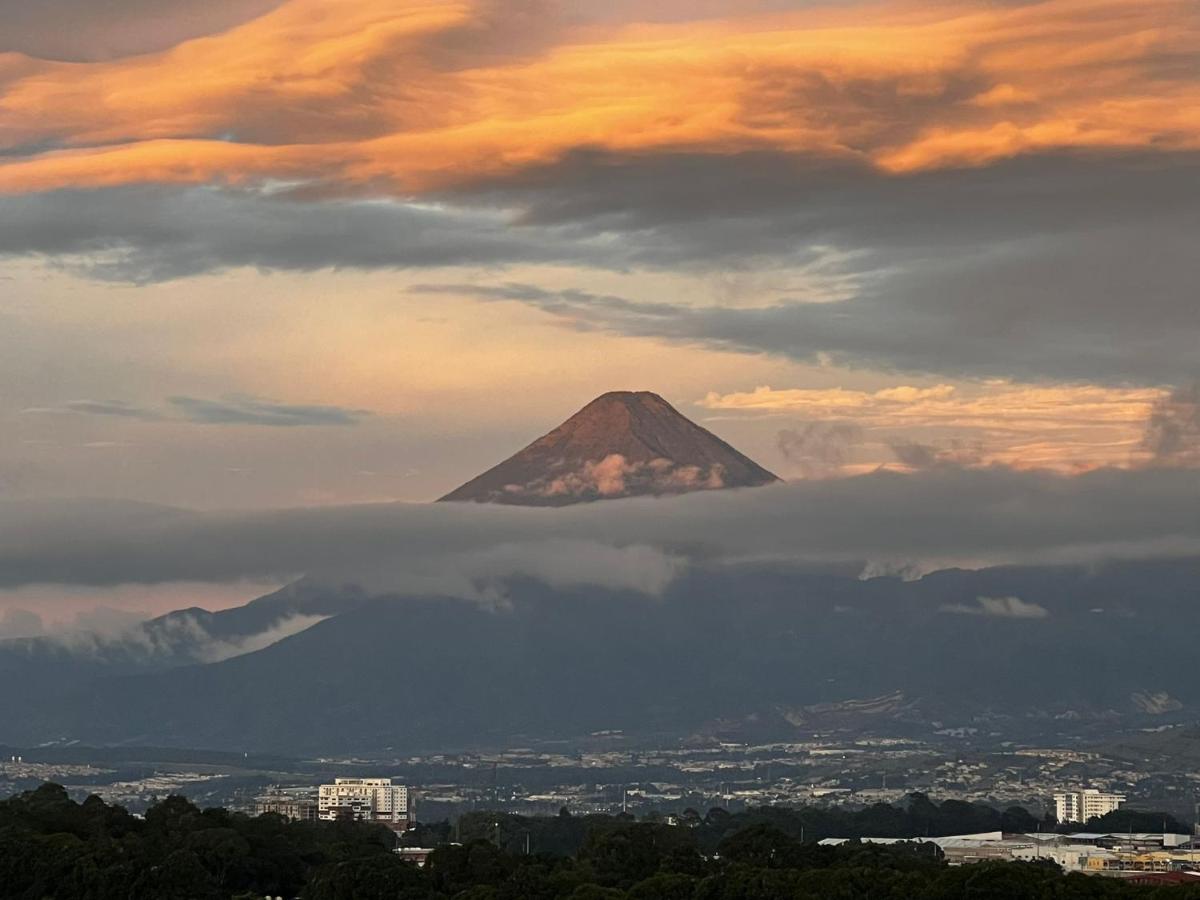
x=759 y=650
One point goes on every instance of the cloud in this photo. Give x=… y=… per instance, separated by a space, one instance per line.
x=114 y=28
x=915 y=455
x=559 y=564
x=214 y=649
x=1173 y=429
x=1068 y=427
x=819 y=449
x=955 y=516
x=999 y=607
x=407 y=96
x=615 y=476
x=89 y=626
x=151 y=234
x=232 y=410
x=116 y=408
x=897 y=331
x=980 y=273
x=103 y=632
x=20 y=623
x=254 y=411
x=987 y=186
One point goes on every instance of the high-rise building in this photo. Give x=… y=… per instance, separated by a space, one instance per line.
x=296 y=804
x=365 y=800
x=1079 y=806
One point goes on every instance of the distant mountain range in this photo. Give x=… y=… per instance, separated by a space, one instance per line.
x=622 y=444
x=752 y=652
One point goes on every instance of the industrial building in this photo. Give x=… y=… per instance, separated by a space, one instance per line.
x=1118 y=855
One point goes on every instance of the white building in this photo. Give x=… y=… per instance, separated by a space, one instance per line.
x=1079 y=806
x=365 y=799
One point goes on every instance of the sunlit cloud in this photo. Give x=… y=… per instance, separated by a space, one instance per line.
x=381 y=96
x=1068 y=428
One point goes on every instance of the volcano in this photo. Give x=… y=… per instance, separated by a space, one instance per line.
x=622 y=444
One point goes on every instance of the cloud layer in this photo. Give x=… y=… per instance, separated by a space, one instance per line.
x=414 y=96
x=947 y=515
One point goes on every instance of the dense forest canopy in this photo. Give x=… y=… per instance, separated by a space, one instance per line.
x=52 y=848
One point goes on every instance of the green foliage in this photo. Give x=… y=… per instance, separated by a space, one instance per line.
x=1135 y=820
x=52 y=848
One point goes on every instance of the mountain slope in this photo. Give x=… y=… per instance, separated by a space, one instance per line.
x=622 y=444
x=755 y=650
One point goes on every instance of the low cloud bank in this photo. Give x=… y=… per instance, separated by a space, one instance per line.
x=106 y=633
x=969 y=517
x=999 y=607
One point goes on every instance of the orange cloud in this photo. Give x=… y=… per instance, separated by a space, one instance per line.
x=1068 y=428
x=382 y=95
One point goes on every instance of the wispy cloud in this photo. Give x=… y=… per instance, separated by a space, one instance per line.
x=230 y=410
x=254 y=411
x=1000 y=608
x=179 y=637
x=116 y=408
x=819 y=448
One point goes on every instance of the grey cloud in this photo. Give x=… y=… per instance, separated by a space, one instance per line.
x=255 y=411
x=1173 y=431
x=106 y=633
x=1066 y=267
x=948 y=514
x=80 y=30
x=962 y=320
x=819 y=448
x=148 y=234
x=20 y=623
x=1055 y=267
x=916 y=455
x=230 y=410
x=117 y=408
x=999 y=607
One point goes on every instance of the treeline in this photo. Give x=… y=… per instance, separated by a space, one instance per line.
x=52 y=848
x=917 y=816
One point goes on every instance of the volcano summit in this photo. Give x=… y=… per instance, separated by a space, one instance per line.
x=622 y=444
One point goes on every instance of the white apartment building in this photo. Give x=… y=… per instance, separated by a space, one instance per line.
x=365 y=799
x=1079 y=806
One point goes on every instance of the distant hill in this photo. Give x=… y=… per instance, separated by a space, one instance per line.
x=743 y=653
x=622 y=444
x=36 y=673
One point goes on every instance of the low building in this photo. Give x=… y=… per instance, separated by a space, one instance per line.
x=1118 y=855
x=365 y=800
x=418 y=856
x=1082 y=805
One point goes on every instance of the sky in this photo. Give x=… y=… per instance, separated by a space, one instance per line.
x=305 y=255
